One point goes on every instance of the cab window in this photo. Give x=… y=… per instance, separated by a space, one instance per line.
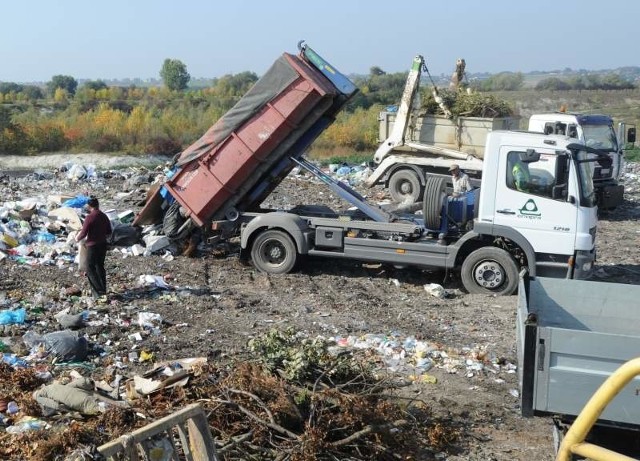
x=537 y=177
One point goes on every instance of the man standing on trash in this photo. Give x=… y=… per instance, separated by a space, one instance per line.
x=96 y=229
x=460 y=181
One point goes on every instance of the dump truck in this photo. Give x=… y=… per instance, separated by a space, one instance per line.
x=414 y=144
x=487 y=234
x=572 y=335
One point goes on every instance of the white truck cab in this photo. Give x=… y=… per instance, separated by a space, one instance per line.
x=596 y=131
x=555 y=211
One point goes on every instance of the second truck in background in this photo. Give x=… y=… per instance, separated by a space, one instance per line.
x=414 y=145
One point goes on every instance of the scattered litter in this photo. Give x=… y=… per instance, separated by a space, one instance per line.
x=435 y=290
x=153 y=280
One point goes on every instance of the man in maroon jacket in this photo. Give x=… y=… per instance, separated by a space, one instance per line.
x=96 y=229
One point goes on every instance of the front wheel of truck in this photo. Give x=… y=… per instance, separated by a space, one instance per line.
x=490 y=270
x=274 y=252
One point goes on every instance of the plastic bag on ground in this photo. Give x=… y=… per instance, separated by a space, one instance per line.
x=76 y=172
x=153 y=280
x=9 y=317
x=77 y=202
x=435 y=290
x=65 y=345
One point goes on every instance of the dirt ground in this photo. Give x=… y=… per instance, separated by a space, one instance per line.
x=218 y=304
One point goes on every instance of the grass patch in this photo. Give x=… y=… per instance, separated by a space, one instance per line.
x=632 y=155
x=325 y=156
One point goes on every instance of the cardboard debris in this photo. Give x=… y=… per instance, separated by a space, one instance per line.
x=67 y=215
x=59 y=199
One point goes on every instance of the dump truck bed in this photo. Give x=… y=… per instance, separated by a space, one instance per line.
x=238 y=162
x=572 y=334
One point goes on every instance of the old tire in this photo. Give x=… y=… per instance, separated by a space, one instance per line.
x=405 y=187
x=274 y=252
x=490 y=270
x=434 y=194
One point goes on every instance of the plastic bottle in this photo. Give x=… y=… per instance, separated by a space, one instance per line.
x=24 y=426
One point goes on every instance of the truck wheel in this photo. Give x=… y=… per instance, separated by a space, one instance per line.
x=434 y=193
x=404 y=186
x=274 y=252
x=490 y=270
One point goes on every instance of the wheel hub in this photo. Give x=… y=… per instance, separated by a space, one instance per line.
x=274 y=253
x=489 y=274
x=405 y=187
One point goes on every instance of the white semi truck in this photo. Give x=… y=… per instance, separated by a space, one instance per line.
x=414 y=145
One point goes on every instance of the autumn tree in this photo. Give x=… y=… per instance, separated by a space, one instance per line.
x=174 y=74
x=66 y=82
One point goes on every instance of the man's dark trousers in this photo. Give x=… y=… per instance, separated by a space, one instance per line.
x=96 y=274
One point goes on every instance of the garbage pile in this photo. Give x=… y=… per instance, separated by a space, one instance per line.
x=40 y=230
x=631 y=181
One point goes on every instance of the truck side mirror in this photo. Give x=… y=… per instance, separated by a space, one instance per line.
x=631 y=135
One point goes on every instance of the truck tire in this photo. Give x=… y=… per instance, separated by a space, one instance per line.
x=405 y=187
x=274 y=252
x=490 y=270
x=434 y=193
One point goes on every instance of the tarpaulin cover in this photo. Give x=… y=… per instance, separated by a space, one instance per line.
x=279 y=76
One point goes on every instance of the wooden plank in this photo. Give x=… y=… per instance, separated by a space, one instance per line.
x=163 y=424
x=200 y=439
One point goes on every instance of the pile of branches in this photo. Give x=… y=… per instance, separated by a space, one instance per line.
x=296 y=399
x=463 y=104
x=300 y=402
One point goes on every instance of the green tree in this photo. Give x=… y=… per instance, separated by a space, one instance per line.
x=95 y=85
x=375 y=70
x=32 y=92
x=66 y=82
x=504 y=81
x=174 y=74
x=8 y=87
x=553 y=83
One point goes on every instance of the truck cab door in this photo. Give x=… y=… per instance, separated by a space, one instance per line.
x=540 y=210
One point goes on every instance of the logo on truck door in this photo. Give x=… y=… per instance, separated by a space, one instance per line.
x=530 y=210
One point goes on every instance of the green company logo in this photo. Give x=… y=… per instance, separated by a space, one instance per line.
x=530 y=209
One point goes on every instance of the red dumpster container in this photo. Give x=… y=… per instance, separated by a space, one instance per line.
x=221 y=167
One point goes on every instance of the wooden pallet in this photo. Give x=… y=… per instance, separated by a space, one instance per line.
x=191 y=426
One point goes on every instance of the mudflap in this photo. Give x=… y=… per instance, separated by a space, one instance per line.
x=610 y=196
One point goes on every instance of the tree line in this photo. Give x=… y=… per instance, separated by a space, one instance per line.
x=96 y=117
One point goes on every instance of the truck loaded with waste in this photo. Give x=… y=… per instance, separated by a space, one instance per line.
x=488 y=234
x=416 y=142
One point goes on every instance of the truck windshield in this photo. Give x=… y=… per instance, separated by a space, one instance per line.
x=585 y=177
x=600 y=137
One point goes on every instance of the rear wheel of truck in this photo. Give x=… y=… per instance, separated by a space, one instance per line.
x=490 y=270
x=434 y=195
x=405 y=187
x=274 y=252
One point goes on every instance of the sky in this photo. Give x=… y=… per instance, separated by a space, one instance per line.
x=117 y=39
